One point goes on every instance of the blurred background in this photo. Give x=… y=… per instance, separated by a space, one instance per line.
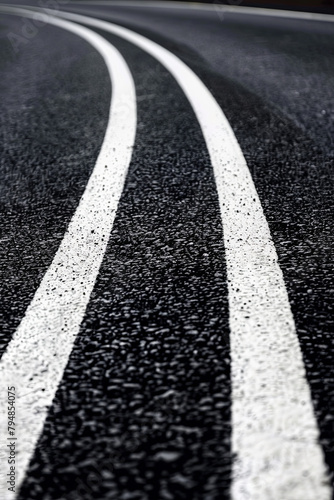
x=325 y=6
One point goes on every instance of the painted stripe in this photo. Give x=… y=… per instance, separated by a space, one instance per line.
x=215 y=7
x=275 y=435
x=37 y=355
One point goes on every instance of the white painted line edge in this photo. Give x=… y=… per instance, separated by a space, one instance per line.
x=275 y=435
x=37 y=355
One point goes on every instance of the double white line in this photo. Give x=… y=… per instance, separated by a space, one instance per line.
x=275 y=436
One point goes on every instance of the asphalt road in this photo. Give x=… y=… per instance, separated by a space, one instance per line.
x=150 y=403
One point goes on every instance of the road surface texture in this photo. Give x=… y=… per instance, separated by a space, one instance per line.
x=166 y=215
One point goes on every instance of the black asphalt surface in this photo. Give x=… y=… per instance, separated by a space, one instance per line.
x=143 y=411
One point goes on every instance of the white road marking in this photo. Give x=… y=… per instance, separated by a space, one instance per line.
x=37 y=355
x=275 y=435
x=215 y=7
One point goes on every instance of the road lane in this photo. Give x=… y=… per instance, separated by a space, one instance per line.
x=147 y=385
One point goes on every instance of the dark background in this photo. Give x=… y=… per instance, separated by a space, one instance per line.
x=324 y=6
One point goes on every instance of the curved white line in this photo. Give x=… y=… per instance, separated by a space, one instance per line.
x=37 y=355
x=275 y=435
